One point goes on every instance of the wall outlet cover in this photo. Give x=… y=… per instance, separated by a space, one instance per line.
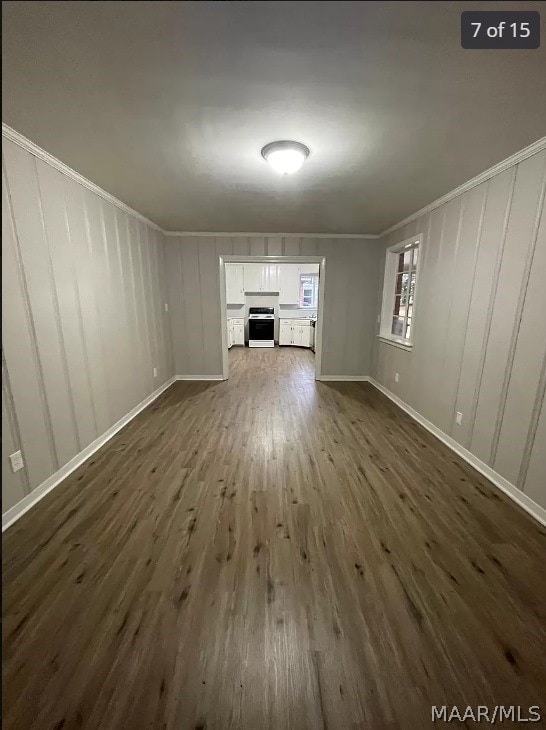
x=155 y=372
x=459 y=418
x=16 y=460
x=396 y=377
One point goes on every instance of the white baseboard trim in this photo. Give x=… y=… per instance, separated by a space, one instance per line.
x=345 y=378
x=18 y=510
x=529 y=505
x=199 y=377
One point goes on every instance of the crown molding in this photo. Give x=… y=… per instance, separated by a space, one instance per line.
x=247 y=234
x=514 y=159
x=33 y=148
x=26 y=144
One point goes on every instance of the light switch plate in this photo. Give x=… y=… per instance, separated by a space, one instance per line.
x=17 y=462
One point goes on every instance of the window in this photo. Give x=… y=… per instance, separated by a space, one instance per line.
x=399 y=289
x=309 y=291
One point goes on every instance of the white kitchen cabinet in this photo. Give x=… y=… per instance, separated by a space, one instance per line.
x=254 y=277
x=285 y=332
x=235 y=290
x=289 y=283
x=239 y=332
x=236 y=331
x=296 y=332
x=261 y=277
x=271 y=277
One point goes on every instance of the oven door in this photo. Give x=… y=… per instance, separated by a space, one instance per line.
x=261 y=329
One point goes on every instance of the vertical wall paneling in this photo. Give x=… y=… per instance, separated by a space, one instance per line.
x=163 y=292
x=210 y=297
x=193 y=312
x=137 y=305
x=83 y=286
x=462 y=282
x=175 y=294
x=519 y=236
x=526 y=359
x=42 y=302
x=149 y=297
x=274 y=246
x=106 y=327
x=479 y=337
x=19 y=348
x=66 y=286
x=85 y=272
x=489 y=255
x=135 y=383
x=349 y=300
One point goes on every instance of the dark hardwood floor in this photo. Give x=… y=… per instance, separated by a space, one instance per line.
x=271 y=552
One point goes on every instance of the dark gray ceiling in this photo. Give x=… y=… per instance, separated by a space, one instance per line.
x=166 y=105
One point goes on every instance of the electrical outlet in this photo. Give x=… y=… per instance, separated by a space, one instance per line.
x=17 y=462
x=396 y=377
x=155 y=372
x=166 y=307
x=459 y=418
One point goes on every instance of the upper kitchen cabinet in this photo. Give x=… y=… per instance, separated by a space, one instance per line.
x=253 y=277
x=289 y=283
x=261 y=277
x=271 y=277
x=235 y=290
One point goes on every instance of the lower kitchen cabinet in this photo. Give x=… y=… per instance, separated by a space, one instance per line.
x=236 y=331
x=298 y=332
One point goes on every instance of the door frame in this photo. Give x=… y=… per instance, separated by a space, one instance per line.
x=224 y=259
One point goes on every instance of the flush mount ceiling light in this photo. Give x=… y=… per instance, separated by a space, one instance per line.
x=285 y=157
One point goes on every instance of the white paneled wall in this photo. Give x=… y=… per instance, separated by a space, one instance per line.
x=84 y=322
x=480 y=324
x=352 y=268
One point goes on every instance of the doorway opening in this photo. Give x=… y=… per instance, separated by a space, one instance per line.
x=272 y=302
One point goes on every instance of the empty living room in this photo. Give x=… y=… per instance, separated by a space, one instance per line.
x=273 y=365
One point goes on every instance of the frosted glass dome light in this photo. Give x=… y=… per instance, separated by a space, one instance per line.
x=285 y=157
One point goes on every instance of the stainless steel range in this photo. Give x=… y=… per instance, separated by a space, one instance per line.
x=261 y=327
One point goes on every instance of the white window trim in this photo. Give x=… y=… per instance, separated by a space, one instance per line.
x=389 y=281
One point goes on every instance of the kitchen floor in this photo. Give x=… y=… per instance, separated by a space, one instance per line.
x=296 y=361
x=271 y=552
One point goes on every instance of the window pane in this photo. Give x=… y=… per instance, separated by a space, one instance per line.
x=405 y=286
x=309 y=290
x=401 y=285
x=404 y=290
x=397 y=326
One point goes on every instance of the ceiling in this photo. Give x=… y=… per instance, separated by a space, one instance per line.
x=166 y=105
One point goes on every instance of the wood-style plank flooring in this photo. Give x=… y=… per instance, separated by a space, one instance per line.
x=271 y=552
